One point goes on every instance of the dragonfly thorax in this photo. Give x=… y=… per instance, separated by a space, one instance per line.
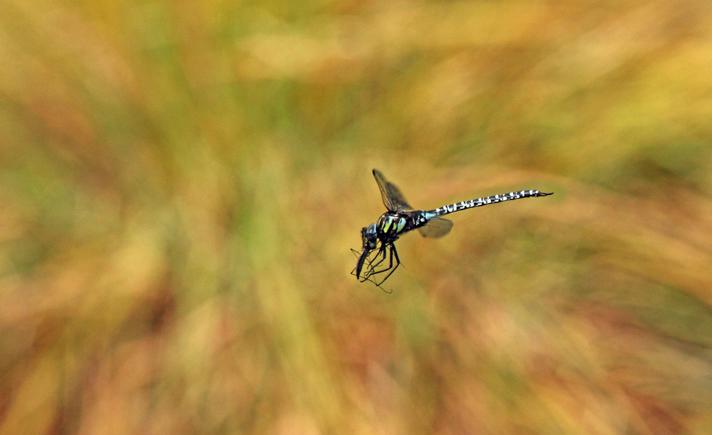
x=391 y=225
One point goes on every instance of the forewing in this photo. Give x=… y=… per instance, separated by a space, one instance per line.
x=393 y=199
x=436 y=227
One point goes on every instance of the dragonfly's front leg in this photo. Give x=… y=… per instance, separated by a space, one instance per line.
x=371 y=265
x=391 y=268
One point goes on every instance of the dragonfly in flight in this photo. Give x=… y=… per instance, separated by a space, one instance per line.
x=378 y=258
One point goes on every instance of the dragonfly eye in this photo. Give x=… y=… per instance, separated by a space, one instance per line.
x=369 y=236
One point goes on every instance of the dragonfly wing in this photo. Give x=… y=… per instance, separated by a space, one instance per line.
x=436 y=227
x=393 y=199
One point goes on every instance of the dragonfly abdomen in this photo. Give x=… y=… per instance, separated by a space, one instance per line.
x=487 y=200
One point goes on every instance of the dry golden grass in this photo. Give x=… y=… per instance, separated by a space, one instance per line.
x=181 y=183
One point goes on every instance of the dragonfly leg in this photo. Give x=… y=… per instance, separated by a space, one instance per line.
x=374 y=269
x=382 y=254
x=391 y=268
x=373 y=264
x=377 y=284
x=377 y=260
x=372 y=272
x=369 y=263
x=356 y=254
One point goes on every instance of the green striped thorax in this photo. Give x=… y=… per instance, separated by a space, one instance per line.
x=391 y=224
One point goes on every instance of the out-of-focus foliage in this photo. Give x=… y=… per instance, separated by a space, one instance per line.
x=180 y=184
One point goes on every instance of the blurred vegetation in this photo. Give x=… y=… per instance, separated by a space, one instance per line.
x=181 y=183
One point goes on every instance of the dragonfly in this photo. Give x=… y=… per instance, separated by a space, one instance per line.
x=378 y=258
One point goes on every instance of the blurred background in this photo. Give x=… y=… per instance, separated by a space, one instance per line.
x=181 y=184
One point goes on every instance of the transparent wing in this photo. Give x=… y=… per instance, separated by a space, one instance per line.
x=436 y=227
x=392 y=197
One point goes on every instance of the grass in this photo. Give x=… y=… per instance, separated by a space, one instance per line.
x=181 y=185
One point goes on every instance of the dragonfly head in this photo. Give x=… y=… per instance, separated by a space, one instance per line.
x=369 y=238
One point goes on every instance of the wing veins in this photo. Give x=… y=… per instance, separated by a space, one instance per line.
x=436 y=227
x=392 y=197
